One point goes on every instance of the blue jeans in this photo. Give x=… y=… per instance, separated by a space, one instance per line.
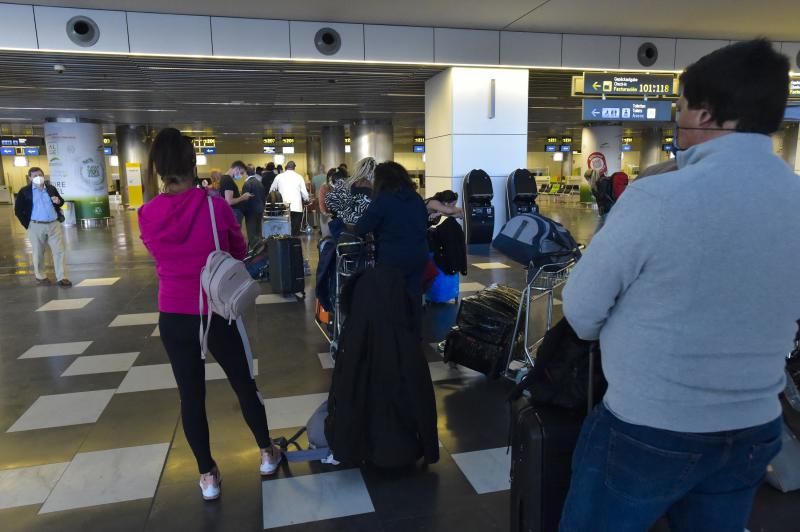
x=626 y=477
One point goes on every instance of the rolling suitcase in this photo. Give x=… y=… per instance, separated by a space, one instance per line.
x=543 y=438
x=541 y=461
x=286 y=272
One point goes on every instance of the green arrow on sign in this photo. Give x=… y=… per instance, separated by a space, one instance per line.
x=596 y=85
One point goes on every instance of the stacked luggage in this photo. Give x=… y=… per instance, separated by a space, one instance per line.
x=484 y=329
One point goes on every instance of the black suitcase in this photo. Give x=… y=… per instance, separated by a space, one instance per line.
x=475 y=353
x=286 y=273
x=542 y=443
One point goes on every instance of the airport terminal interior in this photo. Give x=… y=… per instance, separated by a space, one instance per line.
x=91 y=437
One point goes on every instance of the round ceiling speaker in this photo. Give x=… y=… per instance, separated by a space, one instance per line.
x=83 y=31
x=328 y=41
x=647 y=54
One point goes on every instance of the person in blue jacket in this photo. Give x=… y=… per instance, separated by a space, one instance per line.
x=399 y=221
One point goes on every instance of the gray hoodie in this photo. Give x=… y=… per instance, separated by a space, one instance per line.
x=692 y=288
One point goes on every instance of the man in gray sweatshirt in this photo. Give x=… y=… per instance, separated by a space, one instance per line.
x=693 y=290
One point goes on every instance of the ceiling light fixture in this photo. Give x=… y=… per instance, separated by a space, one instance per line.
x=87 y=89
x=304 y=104
x=199 y=69
x=44 y=109
x=403 y=95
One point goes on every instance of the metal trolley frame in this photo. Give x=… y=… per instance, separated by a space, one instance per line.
x=351 y=257
x=539 y=289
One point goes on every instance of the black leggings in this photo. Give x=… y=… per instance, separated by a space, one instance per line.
x=180 y=336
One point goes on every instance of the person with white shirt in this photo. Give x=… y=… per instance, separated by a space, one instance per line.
x=292 y=188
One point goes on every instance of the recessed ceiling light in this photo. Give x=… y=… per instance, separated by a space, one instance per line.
x=403 y=95
x=199 y=69
x=87 y=89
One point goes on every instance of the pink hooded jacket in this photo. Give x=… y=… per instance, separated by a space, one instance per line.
x=176 y=229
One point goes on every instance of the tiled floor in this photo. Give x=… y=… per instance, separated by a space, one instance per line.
x=90 y=431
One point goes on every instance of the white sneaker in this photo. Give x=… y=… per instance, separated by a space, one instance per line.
x=211 y=484
x=270 y=460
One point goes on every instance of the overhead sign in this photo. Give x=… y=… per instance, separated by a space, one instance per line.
x=204 y=142
x=108 y=150
x=552 y=140
x=794 y=88
x=287 y=141
x=627 y=110
x=627 y=84
x=419 y=148
x=347 y=140
x=550 y=148
x=8 y=151
x=269 y=141
x=668 y=147
x=209 y=150
x=627 y=140
x=269 y=150
x=566 y=140
x=419 y=140
x=32 y=152
x=565 y=148
x=107 y=141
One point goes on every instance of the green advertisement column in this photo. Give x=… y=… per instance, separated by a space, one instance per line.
x=77 y=169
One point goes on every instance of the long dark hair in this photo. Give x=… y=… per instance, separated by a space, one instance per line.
x=445 y=196
x=392 y=177
x=172 y=157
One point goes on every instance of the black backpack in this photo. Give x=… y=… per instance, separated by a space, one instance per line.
x=562 y=370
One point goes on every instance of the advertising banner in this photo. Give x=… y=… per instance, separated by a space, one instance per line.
x=77 y=166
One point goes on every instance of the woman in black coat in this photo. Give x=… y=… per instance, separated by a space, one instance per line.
x=399 y=220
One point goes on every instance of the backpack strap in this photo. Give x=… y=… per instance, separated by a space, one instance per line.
x=213 y=223
x=204 y=330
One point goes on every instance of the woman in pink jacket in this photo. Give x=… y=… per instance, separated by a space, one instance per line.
x=176 y=228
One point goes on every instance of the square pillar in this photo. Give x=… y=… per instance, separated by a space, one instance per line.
x=476 y=118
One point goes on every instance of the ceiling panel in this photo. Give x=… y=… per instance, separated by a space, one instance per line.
x=709 y=19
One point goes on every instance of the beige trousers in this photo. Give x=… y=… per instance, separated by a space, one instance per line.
x=42 y=236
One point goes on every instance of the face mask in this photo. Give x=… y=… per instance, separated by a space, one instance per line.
x=38 y=180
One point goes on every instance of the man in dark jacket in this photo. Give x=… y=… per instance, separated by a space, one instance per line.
x=38 y=208
x=254 y=211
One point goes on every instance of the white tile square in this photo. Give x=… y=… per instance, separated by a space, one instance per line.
x=56 y=350
x=156 y=332
x=326 y=360
x=269 y=299
x=63 y=409
x=126 y=320
x=65 y=304
x=291 y=412
x=101 y=364
x=471 y=287
x=488 y=471
x=147 y=378
x=441 y=371
x=310 y=498
x=491 y=266
x=105 y=477
x=101 y=281
x=28 y=485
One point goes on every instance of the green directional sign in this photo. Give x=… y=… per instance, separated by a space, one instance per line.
x=629 y=84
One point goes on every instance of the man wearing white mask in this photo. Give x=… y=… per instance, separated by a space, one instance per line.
x=38 y=208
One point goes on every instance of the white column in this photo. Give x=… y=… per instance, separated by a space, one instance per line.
x=603 y=139
x=475 y=118
x=791 y=146
x=652 y=140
